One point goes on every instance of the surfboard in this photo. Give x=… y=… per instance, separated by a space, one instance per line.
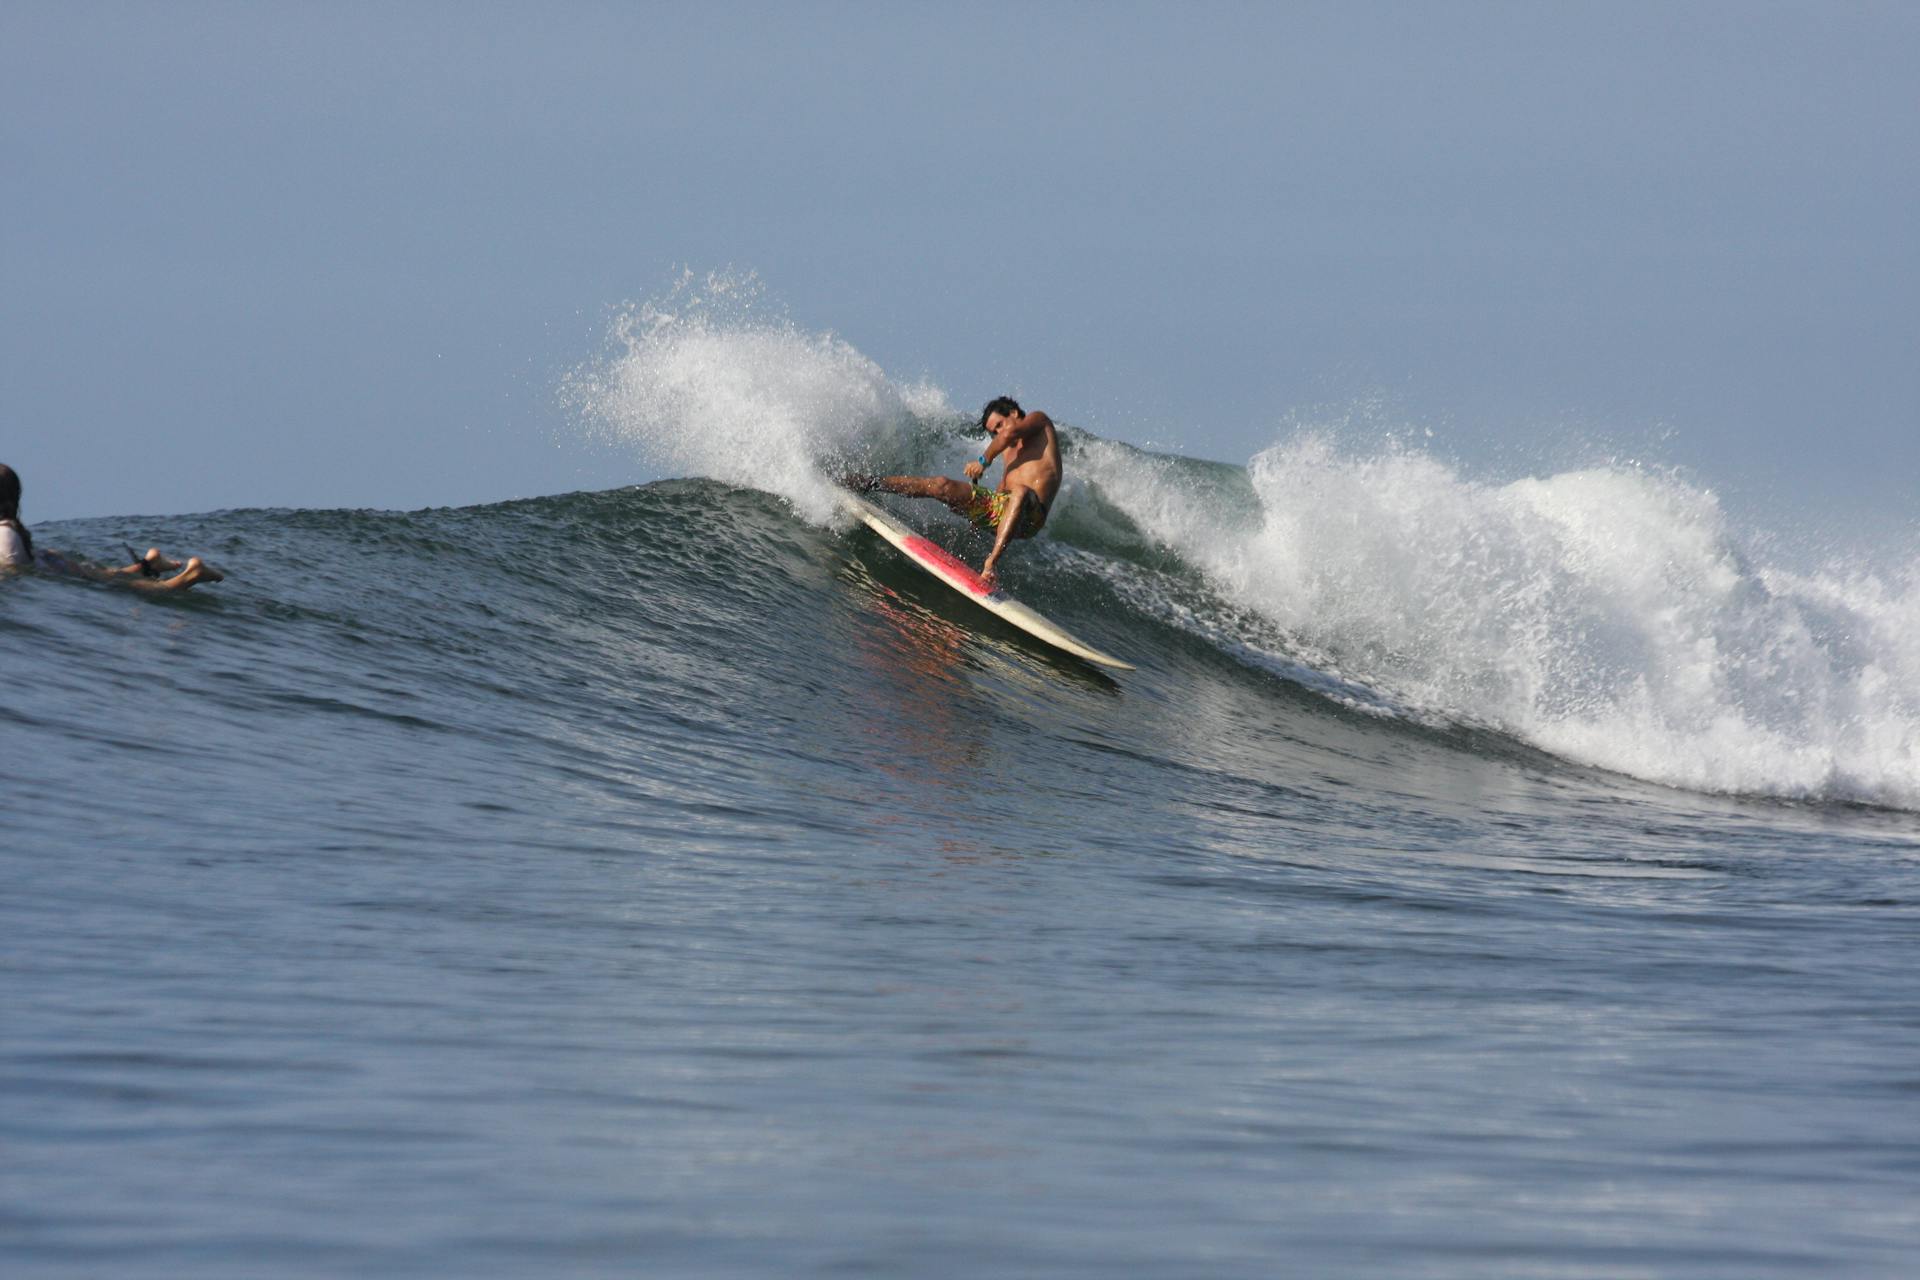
x=942 y=564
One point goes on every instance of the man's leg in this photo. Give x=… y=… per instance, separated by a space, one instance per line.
x=955 y=493
x=1017 y=499
x=151 y=565
x=196 y=570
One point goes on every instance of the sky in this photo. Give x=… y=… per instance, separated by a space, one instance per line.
x=343 y=255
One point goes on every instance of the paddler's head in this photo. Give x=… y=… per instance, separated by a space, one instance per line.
x=999 y=411
x=9 y=493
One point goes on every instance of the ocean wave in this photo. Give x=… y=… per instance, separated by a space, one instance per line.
x=1609 y=615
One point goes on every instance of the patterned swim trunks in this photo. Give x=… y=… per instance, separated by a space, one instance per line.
x=988 y=505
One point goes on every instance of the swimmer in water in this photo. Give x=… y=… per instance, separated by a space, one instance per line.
x=151 y=572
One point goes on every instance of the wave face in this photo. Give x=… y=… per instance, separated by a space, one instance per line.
x=1609 y=616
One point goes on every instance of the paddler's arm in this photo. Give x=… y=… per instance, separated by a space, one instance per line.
x=1009 y=521
x=1005 y=439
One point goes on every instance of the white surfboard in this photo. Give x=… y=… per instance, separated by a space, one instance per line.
x=937 y=561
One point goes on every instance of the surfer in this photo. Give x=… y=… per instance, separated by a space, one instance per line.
x=144 y=574
x=1029 y=479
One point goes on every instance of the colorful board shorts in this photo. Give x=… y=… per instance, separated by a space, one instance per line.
x=988 y=505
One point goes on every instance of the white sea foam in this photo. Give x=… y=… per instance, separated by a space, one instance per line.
x=1607 y=615
x=712 y=381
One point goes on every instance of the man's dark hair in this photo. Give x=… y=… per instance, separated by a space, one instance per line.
x=999 y=404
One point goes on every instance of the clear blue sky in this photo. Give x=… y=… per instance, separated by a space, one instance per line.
x=340 y=254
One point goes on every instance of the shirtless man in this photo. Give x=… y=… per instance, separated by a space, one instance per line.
x=1028 y=483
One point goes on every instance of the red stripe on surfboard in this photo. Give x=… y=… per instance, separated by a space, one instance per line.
x=921 y=549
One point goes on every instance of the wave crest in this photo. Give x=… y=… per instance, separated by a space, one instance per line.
x=711 y=380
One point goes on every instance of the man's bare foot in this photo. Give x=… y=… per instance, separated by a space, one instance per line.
x=196 y=570
x=860 y=482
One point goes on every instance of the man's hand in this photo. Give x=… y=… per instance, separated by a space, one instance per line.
x=973 y=471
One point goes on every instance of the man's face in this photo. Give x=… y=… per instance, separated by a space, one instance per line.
x=996 y=423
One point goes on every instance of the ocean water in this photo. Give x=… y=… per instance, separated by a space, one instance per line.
x=1475 y=879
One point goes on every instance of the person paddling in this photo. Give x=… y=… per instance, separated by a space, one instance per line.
x=144 y=574
x=1029 y=479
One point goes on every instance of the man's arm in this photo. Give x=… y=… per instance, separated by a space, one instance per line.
x=1005 y=438
x=1014 y=432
